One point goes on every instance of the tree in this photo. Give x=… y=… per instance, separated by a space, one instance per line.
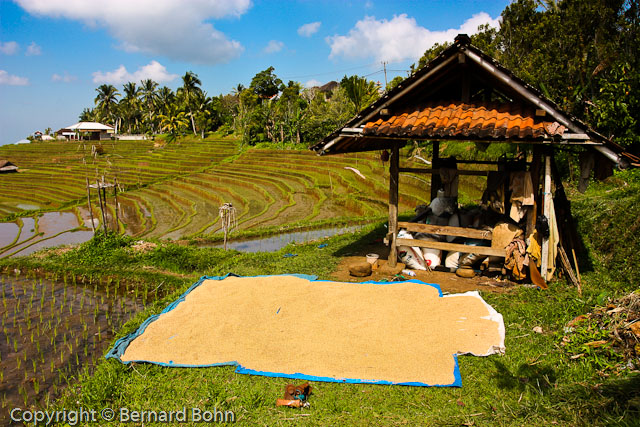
x=130 y=106
x=149 y=99
x=291 y=108
x=173 y=123
x=166 y=97
x=394 y=82
x=359 y=91
x=266 y=84
x=87 y=115
x=106 y=102
x=188 y=92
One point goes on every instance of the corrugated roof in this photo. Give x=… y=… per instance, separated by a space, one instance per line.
x=459 y=120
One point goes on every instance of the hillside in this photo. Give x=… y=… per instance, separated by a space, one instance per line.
x=174 y=190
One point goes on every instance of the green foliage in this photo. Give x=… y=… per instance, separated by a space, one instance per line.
x=534 y=383
x=106 y=102
x=608 y=216
x=580 y=53
x=184 y=259
x=394 y=82
x=174 y=123
x=360 y=91
x=266 y=84
x=103 y=250
x=615 y=110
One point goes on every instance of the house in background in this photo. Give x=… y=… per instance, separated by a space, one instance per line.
x=87 y=130
x=7 y=167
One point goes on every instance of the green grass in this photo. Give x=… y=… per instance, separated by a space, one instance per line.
x=535 y=383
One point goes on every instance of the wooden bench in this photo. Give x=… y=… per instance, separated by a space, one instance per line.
x=450 y=231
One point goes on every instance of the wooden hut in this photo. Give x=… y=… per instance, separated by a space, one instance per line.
x=465 y=95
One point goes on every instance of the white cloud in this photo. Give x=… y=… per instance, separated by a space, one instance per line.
x=398 y=39
x=33 y=50
x=176 y=29
x=11 y=80
x=307 y=30
x=65 y=78
x=8 y=48
x=312 y=83
x=273 y=46
x=153 y=70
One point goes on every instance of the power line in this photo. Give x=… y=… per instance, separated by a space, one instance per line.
x=329 y=72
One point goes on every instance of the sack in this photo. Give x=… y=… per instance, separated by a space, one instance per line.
x=411 y=256
x=451 y=260
x=432 y=257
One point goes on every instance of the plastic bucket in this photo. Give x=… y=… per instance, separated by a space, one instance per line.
x=373 y=260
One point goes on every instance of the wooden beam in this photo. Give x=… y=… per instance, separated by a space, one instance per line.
x=453 y=247
x=534 y=170
x=546 y=204
x=436 y=172
x=435 y=177
x=471 y=233
x=394 y=163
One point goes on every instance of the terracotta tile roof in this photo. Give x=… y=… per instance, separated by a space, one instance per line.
x=457 y=120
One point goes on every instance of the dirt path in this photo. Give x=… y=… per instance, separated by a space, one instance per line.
x=448 y=282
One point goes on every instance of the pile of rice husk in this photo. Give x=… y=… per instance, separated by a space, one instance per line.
x=612 y=331
x=400 y=332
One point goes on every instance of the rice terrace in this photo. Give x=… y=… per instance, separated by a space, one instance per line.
x=398 y=214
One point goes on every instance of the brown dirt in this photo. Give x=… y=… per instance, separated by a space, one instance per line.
x=448 y=282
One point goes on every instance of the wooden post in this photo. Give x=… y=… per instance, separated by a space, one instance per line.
x=102 y=207
x=394 y=165
x=546 y=204
x=93 y=225
x=115 y=196
x=535 y=180
x=435 y=164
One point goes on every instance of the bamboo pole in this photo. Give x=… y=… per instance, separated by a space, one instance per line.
x=93 y=225
x=575 y=262
x=546 y=200
x=102 y=208
x=115 y=196
x=394 y=166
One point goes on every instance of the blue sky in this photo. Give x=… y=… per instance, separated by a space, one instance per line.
x=54 y=53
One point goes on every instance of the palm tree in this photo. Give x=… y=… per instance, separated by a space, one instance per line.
x=188 y=92
x=107 y=101
x=359 y=90
x=130 y=105
x=206 y=112
x=174 y=122
x=166 y=97
x=87 y=115
x=149 y=97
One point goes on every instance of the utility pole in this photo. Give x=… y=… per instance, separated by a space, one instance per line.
x=384 y=66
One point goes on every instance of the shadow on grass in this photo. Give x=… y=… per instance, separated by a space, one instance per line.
x=365 y=242
x=371 y=240
x=616 y=401
x=538 y=377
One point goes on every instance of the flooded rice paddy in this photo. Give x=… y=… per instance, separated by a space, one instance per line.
x=275 y=243
x=53 y=329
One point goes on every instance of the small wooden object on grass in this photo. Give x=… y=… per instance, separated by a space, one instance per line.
x=575 y=262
